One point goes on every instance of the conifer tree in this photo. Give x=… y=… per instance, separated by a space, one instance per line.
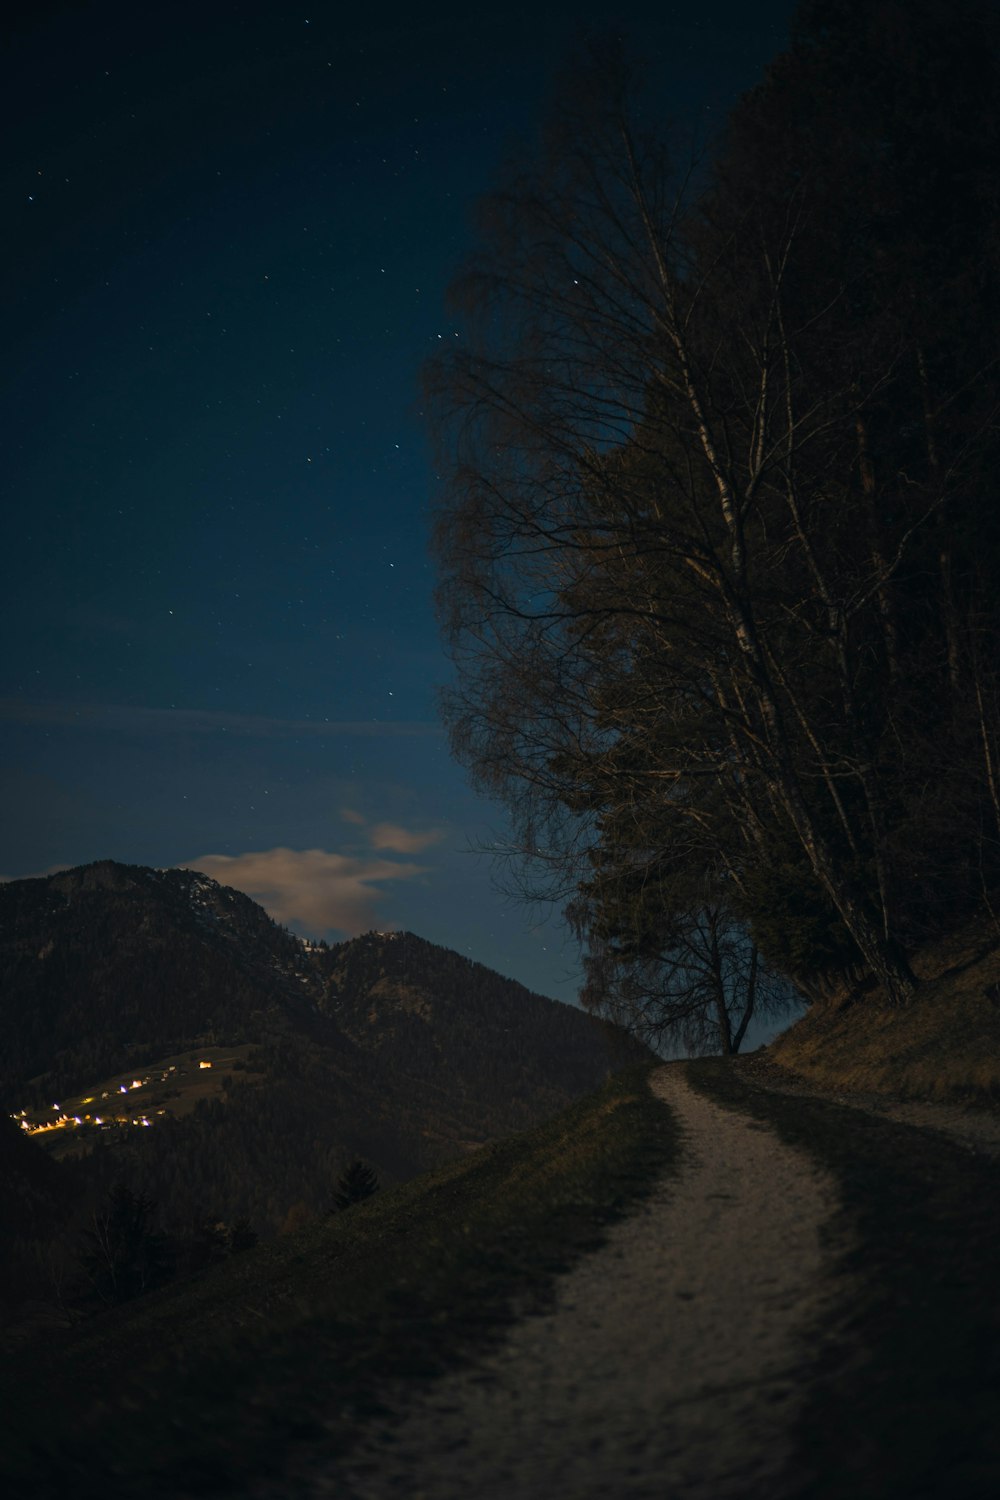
x=124 y=1253
x=357 y=1182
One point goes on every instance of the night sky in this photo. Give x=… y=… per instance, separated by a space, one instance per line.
x=229 y=231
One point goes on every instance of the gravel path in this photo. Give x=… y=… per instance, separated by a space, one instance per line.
x=672 y=1364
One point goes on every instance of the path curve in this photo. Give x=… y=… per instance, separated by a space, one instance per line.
x=672 y=1364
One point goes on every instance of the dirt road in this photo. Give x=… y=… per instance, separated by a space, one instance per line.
x=672 y=1365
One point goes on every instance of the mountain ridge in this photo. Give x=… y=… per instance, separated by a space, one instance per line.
x=260 y=1063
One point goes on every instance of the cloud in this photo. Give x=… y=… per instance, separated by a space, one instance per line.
x=313 y=887
x=125 y=719
x=394 y=836
x=403 y=840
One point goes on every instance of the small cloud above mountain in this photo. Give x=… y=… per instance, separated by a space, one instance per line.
x=393 y=836
x=314 y=888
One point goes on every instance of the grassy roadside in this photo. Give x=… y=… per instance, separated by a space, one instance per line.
x=907 y=1400
x=196 y=1388
x=943 y=1046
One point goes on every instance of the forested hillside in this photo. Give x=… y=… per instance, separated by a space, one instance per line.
x=163 y=1033
x=430 y=1012
x=108 y=966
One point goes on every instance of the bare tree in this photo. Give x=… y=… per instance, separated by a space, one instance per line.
x=696 y=982
x=684 y=573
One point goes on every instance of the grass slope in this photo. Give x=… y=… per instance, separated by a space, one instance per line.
x=196 y=1388
x=906 y=1398
x=944 y=1045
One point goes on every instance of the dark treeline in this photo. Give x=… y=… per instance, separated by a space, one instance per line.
x=718 y=542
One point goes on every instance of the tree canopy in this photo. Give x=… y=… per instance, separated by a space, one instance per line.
x=717 y=542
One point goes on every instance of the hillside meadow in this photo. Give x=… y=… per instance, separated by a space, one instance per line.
x=192 y=1388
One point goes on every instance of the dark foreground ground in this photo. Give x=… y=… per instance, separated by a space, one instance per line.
x=265 y=1366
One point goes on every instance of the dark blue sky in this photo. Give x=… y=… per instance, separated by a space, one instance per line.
x=229 y=233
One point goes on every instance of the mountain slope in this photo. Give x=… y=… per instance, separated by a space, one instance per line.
x=423 y=1011
x=106 y=966
x=261 y=1064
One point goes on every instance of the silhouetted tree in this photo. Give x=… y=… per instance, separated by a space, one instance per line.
x=669 y=961
x=357 y=1182
x=713 y=461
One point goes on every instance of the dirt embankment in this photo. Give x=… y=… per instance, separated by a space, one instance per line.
x=968 y=1124
x=942 y=1048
